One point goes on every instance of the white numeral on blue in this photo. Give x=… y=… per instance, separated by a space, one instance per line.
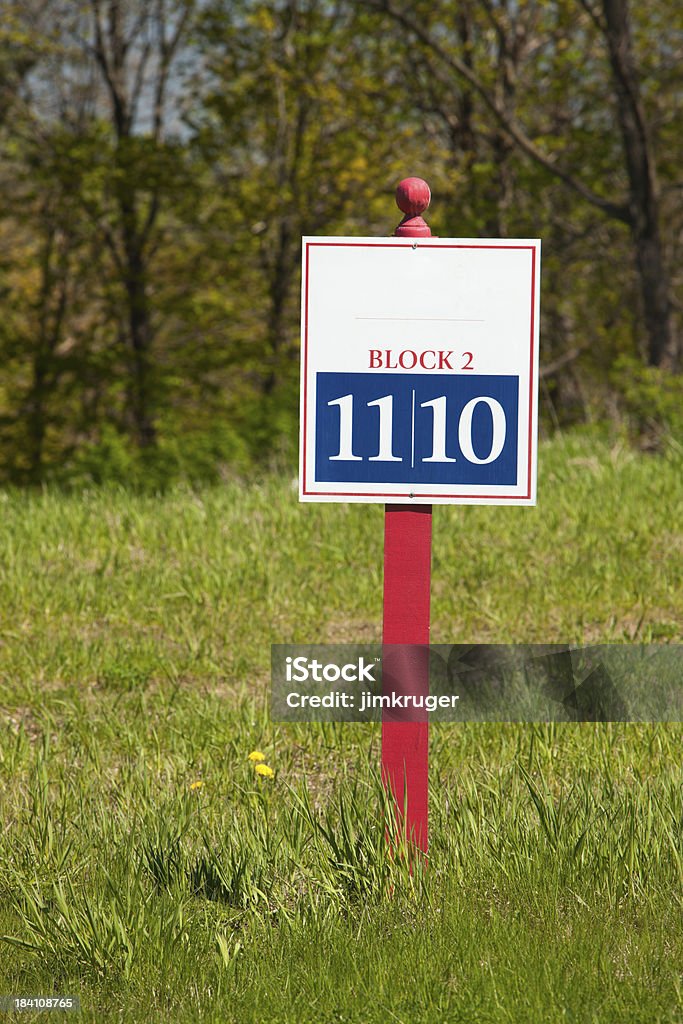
x=465 y=431
x=385 y=451
x=386 y=432
x=345 y=430
x=438 y=407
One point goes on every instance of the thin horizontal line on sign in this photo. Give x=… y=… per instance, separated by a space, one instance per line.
x=444 y=319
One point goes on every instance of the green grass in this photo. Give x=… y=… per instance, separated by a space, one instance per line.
x=134 y=660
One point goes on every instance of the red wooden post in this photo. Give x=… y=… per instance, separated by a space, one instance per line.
x=407 y=571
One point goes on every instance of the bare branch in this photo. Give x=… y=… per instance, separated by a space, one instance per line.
x=107 y=54
x=139 y=80
x=619 y=211
x=168 y=49
x=594 y=15
x=548 y=369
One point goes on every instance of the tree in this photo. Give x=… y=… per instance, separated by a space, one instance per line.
x=134 y=45
x=97 y=180
x=22 y=43
x=643 y=192
x=450 y=62
x=163 y=158
x=304 y=136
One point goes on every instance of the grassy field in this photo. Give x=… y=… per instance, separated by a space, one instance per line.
x=145 y=865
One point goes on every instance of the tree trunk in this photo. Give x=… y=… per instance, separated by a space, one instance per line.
x=138 y=316
x=140 y=338
x=280 y=287
x=36 y=419
x=52 y=310
x=662 y=348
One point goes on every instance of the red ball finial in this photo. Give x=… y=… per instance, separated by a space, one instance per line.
x=413 y=196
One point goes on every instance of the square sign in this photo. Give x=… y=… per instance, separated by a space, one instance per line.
x=419 y=370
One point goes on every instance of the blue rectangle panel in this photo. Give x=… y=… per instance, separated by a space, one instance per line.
x=472 y=428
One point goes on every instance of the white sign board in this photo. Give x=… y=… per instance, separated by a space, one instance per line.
x=419 y=370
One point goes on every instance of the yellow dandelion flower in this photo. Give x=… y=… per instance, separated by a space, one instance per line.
x=197 y=785
x=256 y=755
x=264 y=771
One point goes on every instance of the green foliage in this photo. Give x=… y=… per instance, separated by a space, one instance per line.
x=150 y=253
x=196 y=456
x=97 y=934
x=150 y=870
x=652 y=400
x=548 y=843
